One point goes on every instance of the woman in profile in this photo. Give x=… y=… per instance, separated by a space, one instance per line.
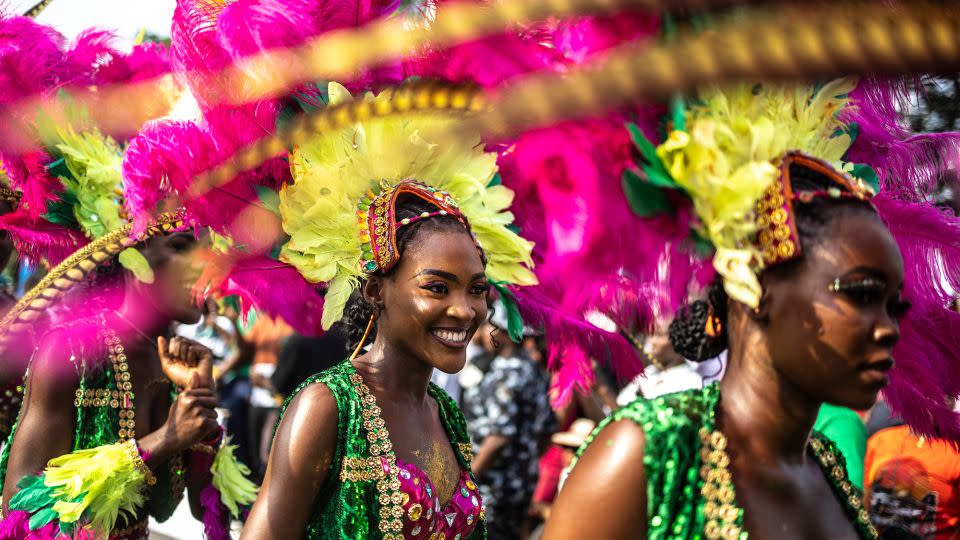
x=808 y=304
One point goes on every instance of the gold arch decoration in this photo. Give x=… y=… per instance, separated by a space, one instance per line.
x=74 y=270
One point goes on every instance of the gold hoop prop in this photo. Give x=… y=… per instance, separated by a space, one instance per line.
x=73 y=270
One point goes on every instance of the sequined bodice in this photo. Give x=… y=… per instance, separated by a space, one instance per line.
x=423 y=515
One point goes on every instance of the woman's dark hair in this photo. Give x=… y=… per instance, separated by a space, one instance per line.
x=357 y=313
x=688 y=331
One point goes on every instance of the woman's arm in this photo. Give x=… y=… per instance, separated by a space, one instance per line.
x=303 y=449
x=608 y=481
x=47 y=417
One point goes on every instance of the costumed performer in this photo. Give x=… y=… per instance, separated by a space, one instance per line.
x=102 y=421
x=810 y=301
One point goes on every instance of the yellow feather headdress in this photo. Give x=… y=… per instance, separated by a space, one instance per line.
x=336 y=174
x=726 y=159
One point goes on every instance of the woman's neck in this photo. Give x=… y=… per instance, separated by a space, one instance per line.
x=395 y=372
x=761 y=413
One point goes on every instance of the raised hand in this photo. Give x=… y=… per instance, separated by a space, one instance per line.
x=182 y=358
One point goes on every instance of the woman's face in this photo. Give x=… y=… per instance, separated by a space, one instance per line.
x=175 y=273
x=832 y=323
x=435 y=299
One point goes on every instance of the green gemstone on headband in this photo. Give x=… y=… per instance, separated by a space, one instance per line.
x=370 y=266
x=364 y=205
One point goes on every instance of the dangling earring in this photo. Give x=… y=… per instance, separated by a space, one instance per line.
x=363 y=340
x=713 y=326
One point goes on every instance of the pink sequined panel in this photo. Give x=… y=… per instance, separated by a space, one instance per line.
x=425 y=519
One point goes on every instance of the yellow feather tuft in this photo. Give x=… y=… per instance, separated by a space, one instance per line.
x=99 y=484
x=724 y=161
x=230 y=480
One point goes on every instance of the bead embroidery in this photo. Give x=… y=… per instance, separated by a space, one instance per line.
x=121 y=398
x=725 y=518
x=382 y=459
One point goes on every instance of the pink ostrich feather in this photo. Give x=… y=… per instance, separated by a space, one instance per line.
x=277 y=289
x=908 y=165
x=216 y=521
x=582 y=38
x=927 y=371
x=572 y=343
x=31 y=58
x=165 y=157
x=39 y=239
x=16 y=526
x=28 y=173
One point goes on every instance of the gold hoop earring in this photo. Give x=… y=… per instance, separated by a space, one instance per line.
x=363 y=340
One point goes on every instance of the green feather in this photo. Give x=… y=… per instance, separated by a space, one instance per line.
x=657 y=174
x=135 y=262
x=868 y=175
x=509 y=302
x=42 y=518
x=678 y=110
x=646 y=199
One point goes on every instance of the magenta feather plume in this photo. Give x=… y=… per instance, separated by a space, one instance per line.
x=91 y=49
x=31 y=58
x=908 y=165
x=216 y=521
x=28 y=173
x=582 y=38
x=488 y=61
x=39 y=239
x=16 y=526
x=164 y=158
x=146 y=61
x=195 y=53
x=927 y=371
x=278 y=290
x=573 y=342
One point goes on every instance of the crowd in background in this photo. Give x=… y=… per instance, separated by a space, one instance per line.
x=523 y=441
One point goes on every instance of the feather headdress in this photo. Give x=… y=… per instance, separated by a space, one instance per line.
x=729 y=154
x=335 y=173
x=723 y=158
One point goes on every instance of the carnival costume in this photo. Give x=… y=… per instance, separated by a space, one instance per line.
x=730 y=154
x=72 y=194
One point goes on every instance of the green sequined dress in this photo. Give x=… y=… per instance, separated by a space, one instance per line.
x=97 y=423
x=351 y=508
x=688 y=496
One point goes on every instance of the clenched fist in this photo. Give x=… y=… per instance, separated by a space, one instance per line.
x=183 y=358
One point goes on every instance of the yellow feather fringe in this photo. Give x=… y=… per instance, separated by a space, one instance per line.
x=230 y=479
x=104 y=481
x=724 y=161
x=333 y=171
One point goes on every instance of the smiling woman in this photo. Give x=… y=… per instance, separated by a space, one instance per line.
x=376 y=448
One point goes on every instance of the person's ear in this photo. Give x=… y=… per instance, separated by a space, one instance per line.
x=761 y=313
x=373 y=292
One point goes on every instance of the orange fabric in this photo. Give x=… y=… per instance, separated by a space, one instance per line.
x=912 y=485
x=265 y=336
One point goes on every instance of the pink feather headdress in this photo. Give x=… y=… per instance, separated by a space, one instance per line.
x=36 y=62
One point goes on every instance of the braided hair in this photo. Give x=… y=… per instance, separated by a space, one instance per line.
x=692 y=334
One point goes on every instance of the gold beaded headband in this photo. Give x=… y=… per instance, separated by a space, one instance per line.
x=777 y=235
